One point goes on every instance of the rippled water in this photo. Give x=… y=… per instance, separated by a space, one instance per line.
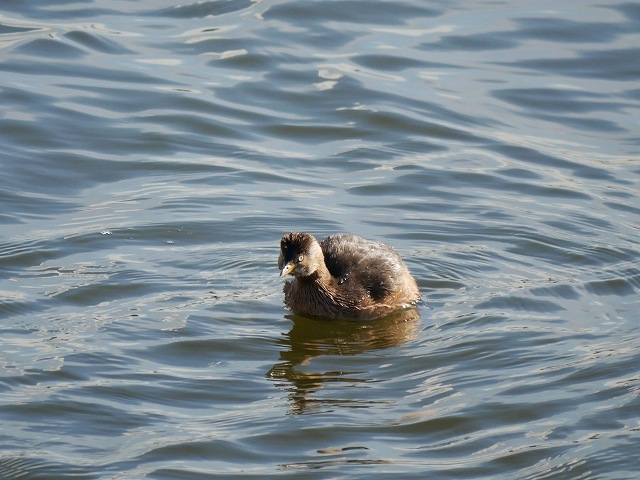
x=154 y=153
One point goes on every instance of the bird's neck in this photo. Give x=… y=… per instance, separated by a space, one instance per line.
x=321 y=276
x=316 y=294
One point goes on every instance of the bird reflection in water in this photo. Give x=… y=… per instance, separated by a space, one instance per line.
x=309 y=339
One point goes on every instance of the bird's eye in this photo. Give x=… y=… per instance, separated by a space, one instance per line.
x=300 y=258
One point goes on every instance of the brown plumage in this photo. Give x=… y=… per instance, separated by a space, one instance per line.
x=344 y=276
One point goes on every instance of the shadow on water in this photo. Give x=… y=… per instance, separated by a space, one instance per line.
x=309 y=339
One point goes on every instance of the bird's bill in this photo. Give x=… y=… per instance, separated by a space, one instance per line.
x=287 y=269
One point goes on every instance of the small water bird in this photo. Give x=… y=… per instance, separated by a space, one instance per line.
x=344 y=276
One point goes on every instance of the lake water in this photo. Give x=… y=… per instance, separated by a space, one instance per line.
x=153 y=154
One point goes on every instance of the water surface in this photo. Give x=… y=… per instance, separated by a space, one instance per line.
x=153 y=155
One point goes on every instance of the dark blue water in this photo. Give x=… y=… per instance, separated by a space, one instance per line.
x=153 y=154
